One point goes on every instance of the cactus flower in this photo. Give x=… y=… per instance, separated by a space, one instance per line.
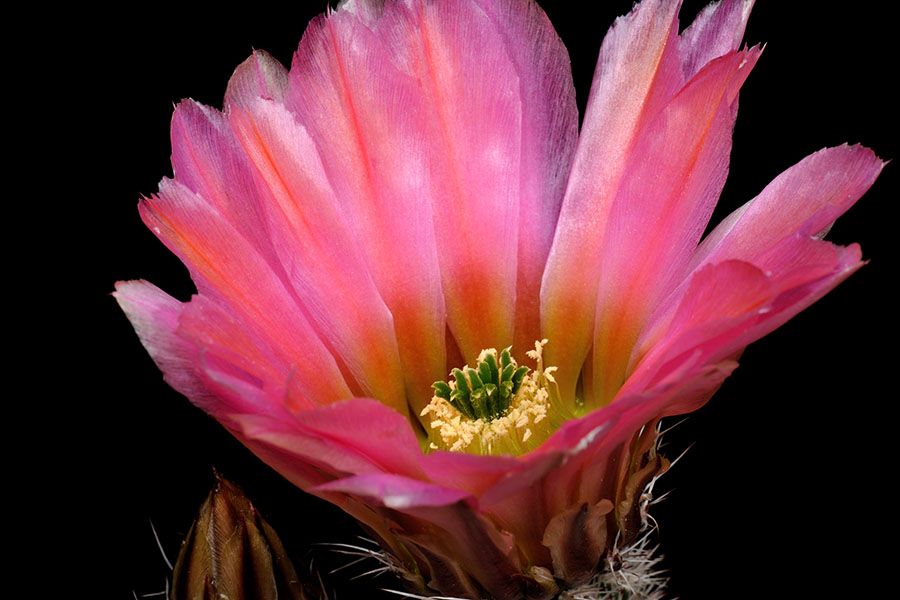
x=425 y=296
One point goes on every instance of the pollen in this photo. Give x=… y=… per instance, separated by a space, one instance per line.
x=497 y=407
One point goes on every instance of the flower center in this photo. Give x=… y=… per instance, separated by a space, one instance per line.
x=497 y=407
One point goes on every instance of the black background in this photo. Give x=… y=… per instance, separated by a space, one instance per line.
x=784 y=492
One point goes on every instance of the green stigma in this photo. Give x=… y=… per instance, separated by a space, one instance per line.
x=486 y=391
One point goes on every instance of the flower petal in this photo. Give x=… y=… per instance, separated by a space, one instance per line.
x=318 y=250
x=365 y=117
x=154 y=315
x=227 y=268
x=731 y=304
x=549 y=136
x=716 y=31
x=395 y=491
x=832 y=177
x=260 y=76
x=207 y=159
x=809 y=196
x=637 y=48
x=662 y=206
x=472 y=126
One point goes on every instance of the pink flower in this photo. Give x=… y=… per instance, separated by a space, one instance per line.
x=415 y=192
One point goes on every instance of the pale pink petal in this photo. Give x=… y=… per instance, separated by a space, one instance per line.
x=636 y=72
x=227 y=268
x=319 y=252
x=260 y=76
x=832 y=177
x=716 y=31
x=472 y=126
x=549 y=135
x=154 y=316
x=365 y=117
x=809 y=196
x=663 y=204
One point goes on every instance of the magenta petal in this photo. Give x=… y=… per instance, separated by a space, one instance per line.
x=731 y=304
x=371 y=429
x=474 y=474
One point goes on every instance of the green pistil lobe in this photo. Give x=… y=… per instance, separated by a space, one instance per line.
x=486 y=391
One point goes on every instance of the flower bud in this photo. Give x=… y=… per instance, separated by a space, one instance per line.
x=232 y=552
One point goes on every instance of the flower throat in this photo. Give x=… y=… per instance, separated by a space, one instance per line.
x=497 y=407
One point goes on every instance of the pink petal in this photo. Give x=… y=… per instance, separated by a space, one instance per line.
x=473 y=473
x=731 y=304
x=157 y=319
x=370 y=428
x=549 y=135
x=637 y=71
x=260 y=76
x=365 y=117
x=717 y=30
x=217 y=332
x=832 y=177
x=663 y=204
x=207 y=159
x=154 y=316
x=471 y=123
x=227 y=268
x=321 y=259
x=809 y=195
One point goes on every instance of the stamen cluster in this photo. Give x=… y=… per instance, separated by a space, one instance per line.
x=484 y=392
x=495 y=408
